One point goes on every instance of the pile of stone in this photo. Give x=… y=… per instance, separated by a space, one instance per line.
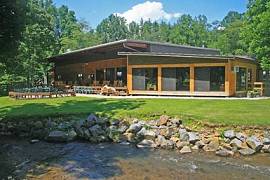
x=165 y=132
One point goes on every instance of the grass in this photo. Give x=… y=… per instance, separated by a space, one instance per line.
x=228 y=112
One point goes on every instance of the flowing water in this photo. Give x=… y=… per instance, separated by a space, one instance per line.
x=80 y=160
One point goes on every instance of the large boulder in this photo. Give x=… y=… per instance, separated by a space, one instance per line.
x=266 y=141
x=224 y=152
x=90 y=121
x=237 y=143
x=241 y=136
x=229 y=134
x=161 y=140
x=183 y=135
x=266 y=149
x=193 y=137
x=134 y=128
x=146 y=134
x=212 y=146
x=185 y=149
x=96 y=130
x=146 y=144
x=246 y=151
x=176 y=122
x=254 y=143
x=130 y=137
x=163 y=120
x=57 y=136
x=181 y=144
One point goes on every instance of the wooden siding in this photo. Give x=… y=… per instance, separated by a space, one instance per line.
x=69 y=72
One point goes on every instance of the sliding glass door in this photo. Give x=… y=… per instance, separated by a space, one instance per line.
x=175 y=79
x=144 y=79
x=241 y=79
x=209 y=79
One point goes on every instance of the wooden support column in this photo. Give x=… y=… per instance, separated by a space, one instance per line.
x=192 y=79
x=159 y=78
x=227 y=78
x=129 y=78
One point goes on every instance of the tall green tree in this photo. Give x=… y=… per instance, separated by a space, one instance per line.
x=38 y=42
x=113 y=28
x=12 y=21
x=256 y=31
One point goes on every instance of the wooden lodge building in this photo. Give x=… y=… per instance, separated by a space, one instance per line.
x=151 y=68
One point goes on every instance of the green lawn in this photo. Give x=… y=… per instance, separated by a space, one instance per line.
x=230 y=112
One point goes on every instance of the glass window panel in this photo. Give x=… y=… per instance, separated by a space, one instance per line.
x=182 y=75
x=175 y=79
x=210 y=79
x=110 y=75
x=202 y=79
x=169 y=79
x=144 y=79
x=241 y=80
x=217 y=79
x=100 y=75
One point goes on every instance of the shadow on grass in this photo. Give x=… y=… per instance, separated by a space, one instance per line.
x=107 y=107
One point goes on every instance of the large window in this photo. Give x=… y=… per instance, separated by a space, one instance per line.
x=210 y=79
x=121 y=74
x=100 y=75
x=175 y=79
x=144 y=79
x=241 y=79
x=110 y=75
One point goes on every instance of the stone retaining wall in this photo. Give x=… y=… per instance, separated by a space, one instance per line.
x=165 y=132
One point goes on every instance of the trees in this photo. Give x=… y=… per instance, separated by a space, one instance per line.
x=12 y=13
x=256 y=31
x=112 y=28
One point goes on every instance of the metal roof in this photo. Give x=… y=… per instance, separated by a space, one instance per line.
x=131 y=41
x=209 y=56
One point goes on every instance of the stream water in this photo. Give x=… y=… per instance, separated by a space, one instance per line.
x=80 y=160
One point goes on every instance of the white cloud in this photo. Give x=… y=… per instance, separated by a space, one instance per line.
x=148 y=10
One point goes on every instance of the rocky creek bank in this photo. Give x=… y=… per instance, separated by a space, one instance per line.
x=165 y=132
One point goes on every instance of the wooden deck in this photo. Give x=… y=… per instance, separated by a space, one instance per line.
x=39 y=95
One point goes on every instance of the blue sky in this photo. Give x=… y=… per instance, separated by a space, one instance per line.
x=93 y=11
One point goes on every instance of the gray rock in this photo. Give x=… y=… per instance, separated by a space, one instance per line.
x=91 y=120
x=146 y=144
x=185 y=149
x=236 y=143
x=115 y=122
x=96 y=130
x=254 y=143
x=183 y=135
x=266 y=149
x=72 y=135
x=229 y=134
x=176 y=121
x=160 y=140
x=246 y=151
x=212 y=146
x=122 y=128
x=57 y=136
x=193 y=137
x=86 y=134
x=102 y=121
x=147 y=134
x=170 y=144
x=163 y=120
x=113 y=133
x=134 y=128
x=224 y=153
x=181 y=144
x=266 y=141
x=200 y=144
x=242 y=137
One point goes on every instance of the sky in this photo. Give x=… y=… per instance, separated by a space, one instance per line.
x=94 y=11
